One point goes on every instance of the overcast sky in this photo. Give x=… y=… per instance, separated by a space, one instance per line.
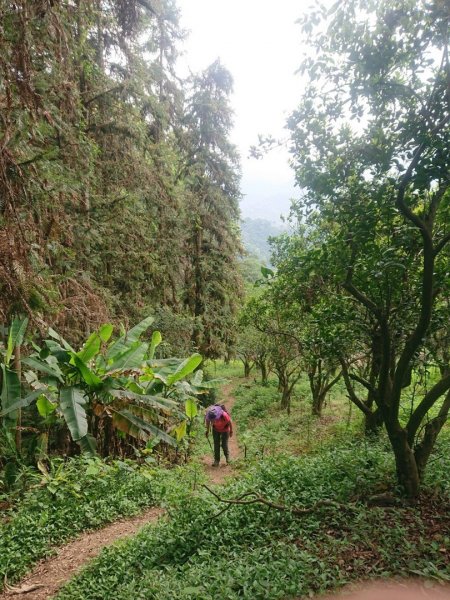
x=259 y=43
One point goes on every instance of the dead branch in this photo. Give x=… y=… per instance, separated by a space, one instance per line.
x=253 y=497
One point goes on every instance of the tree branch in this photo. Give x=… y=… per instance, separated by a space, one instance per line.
x=145 y=4
x=427 y=402
x=117 y=88
x=369 y=387
x=362 y=298
x=440 y=246
x=332 y=383
x=351 y=392
x=256 y=498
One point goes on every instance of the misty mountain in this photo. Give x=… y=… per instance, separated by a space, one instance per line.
x=255 y=234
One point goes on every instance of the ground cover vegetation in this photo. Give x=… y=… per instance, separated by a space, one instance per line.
x=76 y=495
x=209 y=549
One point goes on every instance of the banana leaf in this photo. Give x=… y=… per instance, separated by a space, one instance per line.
x=134 y=423
x=72 y=405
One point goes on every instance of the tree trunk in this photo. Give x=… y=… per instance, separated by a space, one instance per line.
x=432 y=429
x=247 y=368
x=407 y=471
x=318 y=402
x=264 y=374
x=373 y=423
x=286 y=395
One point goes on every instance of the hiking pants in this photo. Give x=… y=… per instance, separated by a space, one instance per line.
x=220 y=438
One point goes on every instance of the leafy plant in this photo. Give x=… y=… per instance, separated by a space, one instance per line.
x=117 y=381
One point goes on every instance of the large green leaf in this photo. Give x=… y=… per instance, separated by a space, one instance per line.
x=191 y=408
x=132 y=358
x=90 y=348
x=21 y=403
x=135 y=333
x=72 y=405
x=158 y=402
x=130 y=338
x=105 y=332
x=93 y=344
x=156 y=340
x=53 y=334
x=210 y=384
x=198 y=378
x=44 y=406
x=123 y=423
x=15 y=337
x=163 y=362
x=10 y=395
x=55 y=349
x=88 y=444
x=180 y=430
x=185 y=368
x=150 y=416
x=44 y=367
x=88 y=376
x=139 y=423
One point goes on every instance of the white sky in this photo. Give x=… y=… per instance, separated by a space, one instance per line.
x=259 y=43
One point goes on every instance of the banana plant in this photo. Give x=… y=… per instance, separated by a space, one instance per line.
x=117 y=380
x=10 y=385
x=189 y=391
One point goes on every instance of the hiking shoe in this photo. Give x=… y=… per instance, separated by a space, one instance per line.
x=215 y=464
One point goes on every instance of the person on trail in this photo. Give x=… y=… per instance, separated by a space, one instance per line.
x=219 y=420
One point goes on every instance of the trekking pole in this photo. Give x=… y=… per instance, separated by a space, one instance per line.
x=210 y=445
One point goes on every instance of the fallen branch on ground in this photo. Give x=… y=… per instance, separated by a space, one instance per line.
x=253 y=497
x=25 y=589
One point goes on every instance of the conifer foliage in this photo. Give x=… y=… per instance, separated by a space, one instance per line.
x=119 y=186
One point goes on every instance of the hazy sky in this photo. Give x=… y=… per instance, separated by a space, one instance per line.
x=259 y=42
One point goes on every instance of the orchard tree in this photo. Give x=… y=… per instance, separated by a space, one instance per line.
x=252 y=348
x=278 y=322
x=370 y=145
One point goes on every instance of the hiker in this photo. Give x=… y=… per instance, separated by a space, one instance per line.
x=222 y=428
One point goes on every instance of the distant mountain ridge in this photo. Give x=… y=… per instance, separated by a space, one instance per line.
x=255 y=235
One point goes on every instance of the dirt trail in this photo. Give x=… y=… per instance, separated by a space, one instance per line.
x=218 y=475
x=49 y=575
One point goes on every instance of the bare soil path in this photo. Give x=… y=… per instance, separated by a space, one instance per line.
x=217 y=475
x=49 y=575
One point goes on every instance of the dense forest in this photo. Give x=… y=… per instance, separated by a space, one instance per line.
x=119 y=185
x=132 y=297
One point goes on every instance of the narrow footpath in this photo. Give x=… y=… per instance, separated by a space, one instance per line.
x=50 y=574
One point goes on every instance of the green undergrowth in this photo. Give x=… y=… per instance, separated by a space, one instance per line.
x=265 y=429
x=257 y=552
x=219 y=368
x=76 y=495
